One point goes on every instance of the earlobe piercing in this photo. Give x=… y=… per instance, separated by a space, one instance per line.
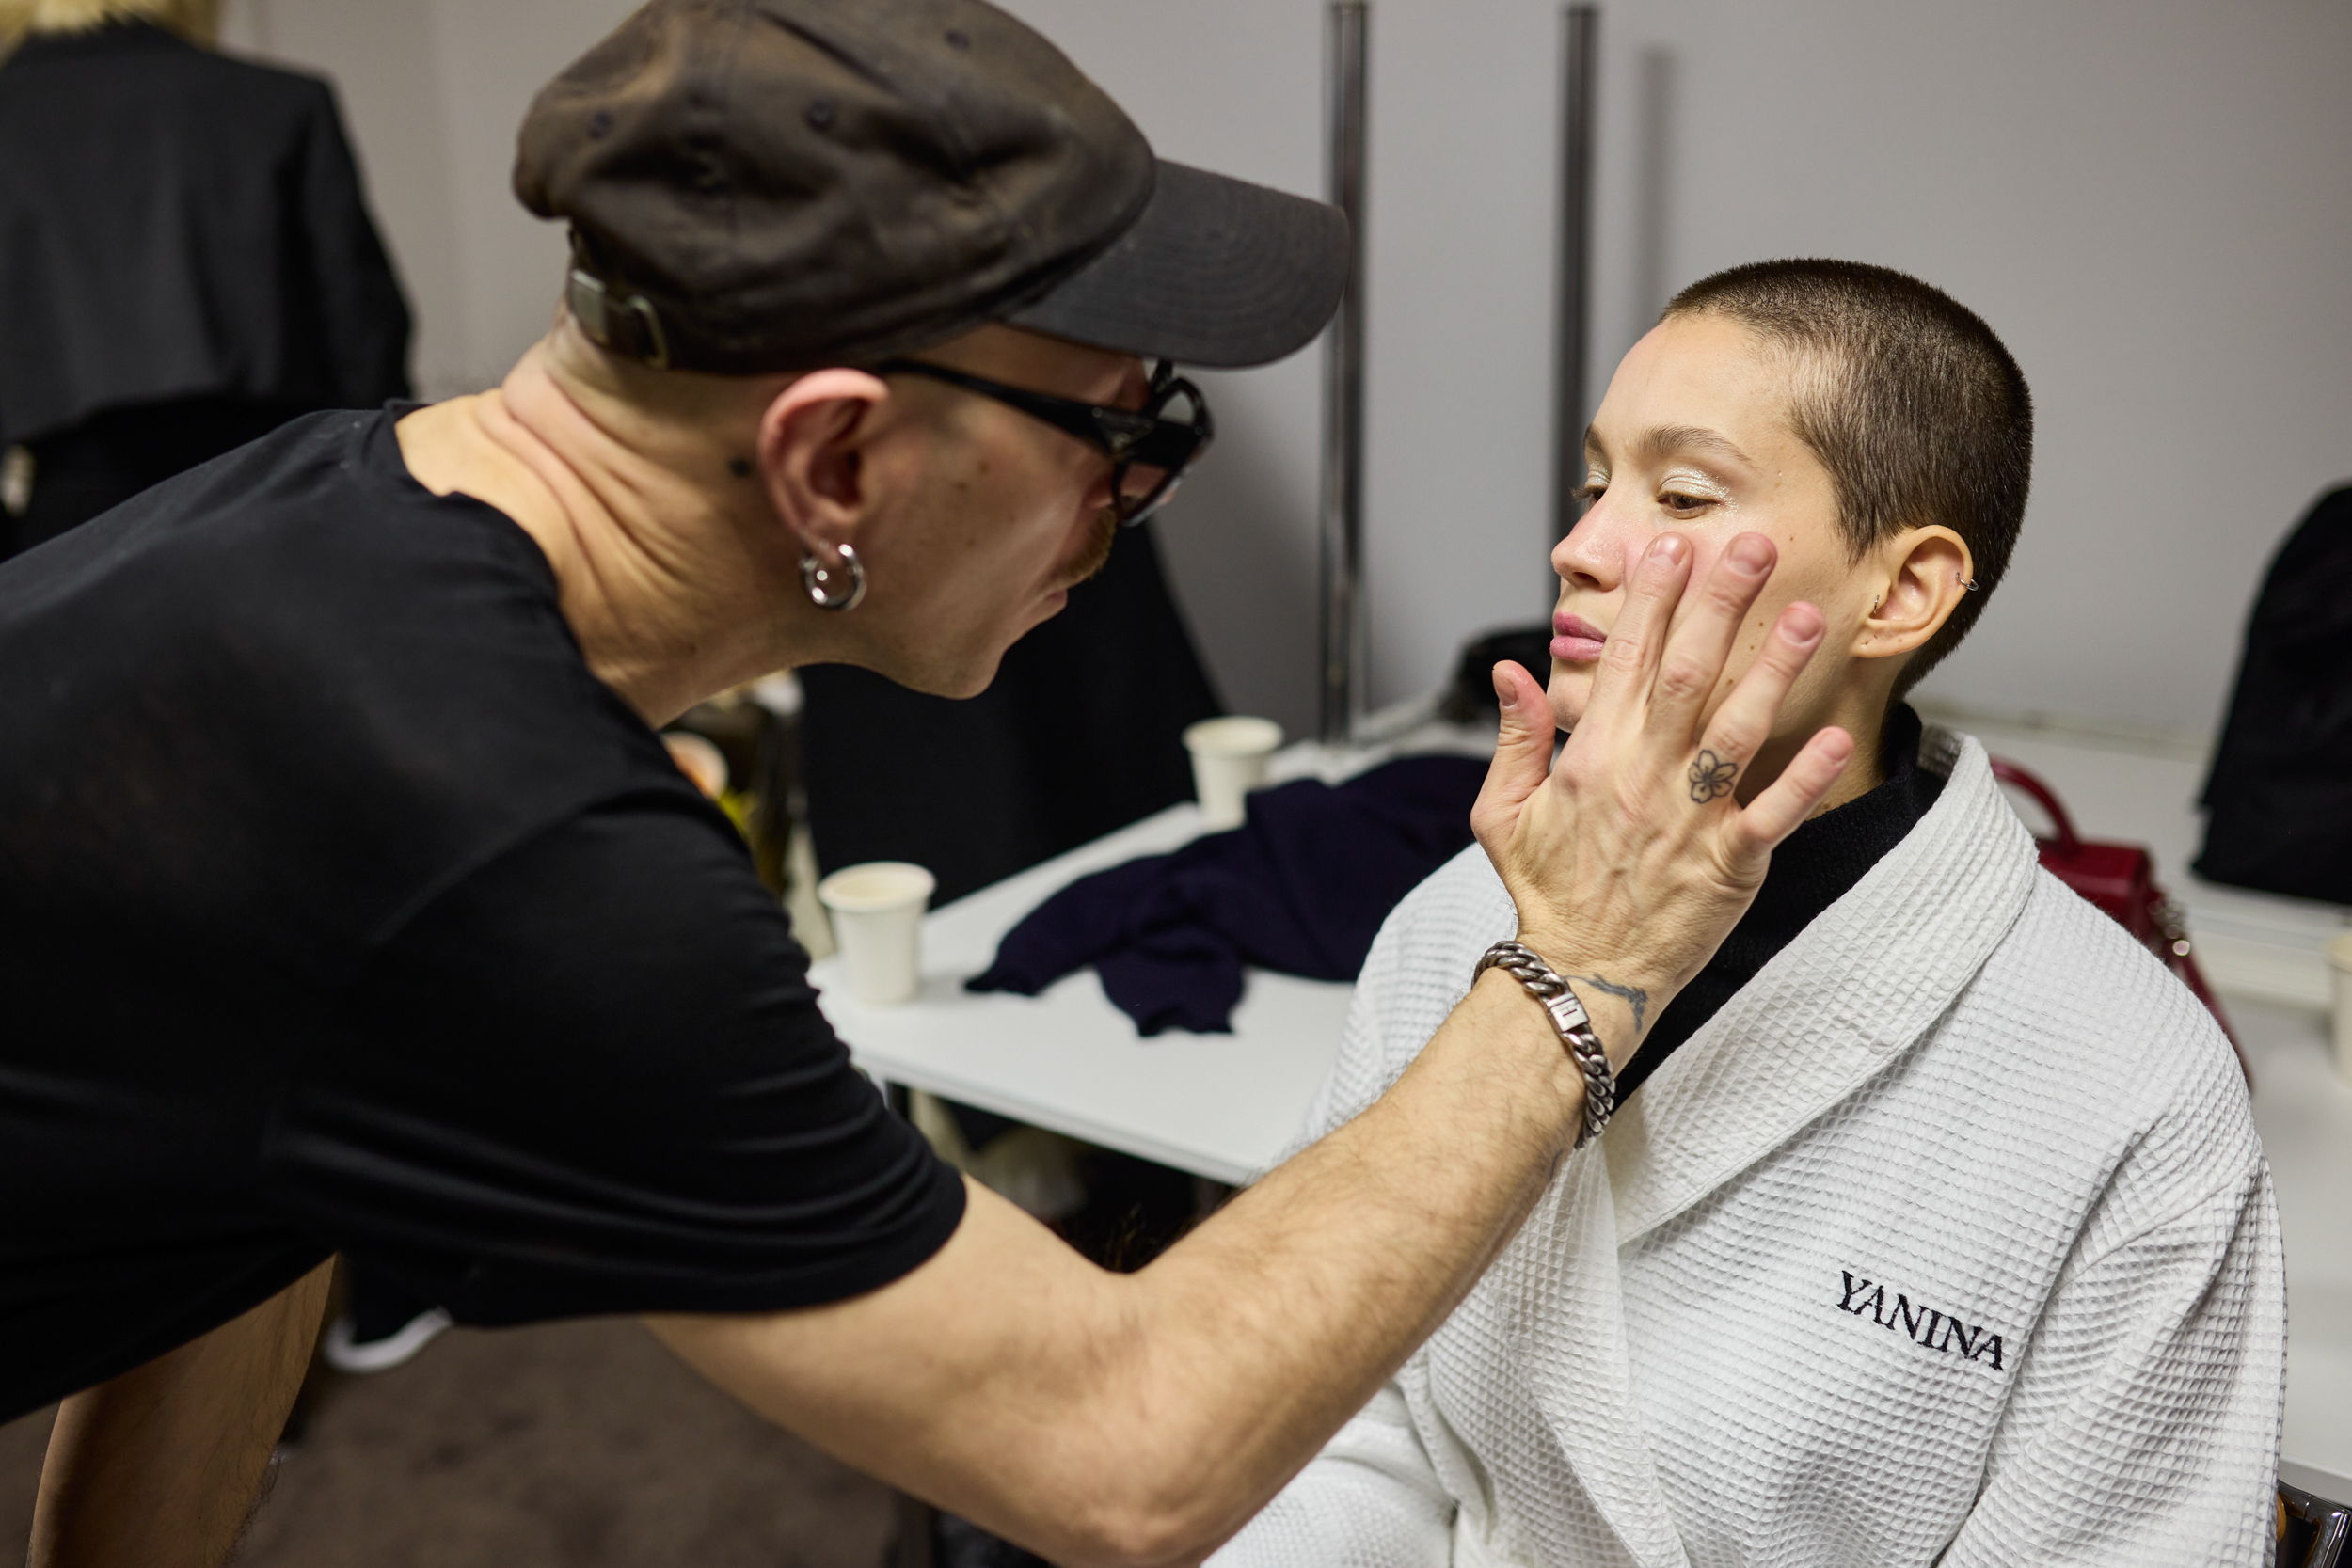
x=826 y=587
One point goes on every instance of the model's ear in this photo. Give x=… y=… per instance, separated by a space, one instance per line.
x=1926 y=571
x=813 y=441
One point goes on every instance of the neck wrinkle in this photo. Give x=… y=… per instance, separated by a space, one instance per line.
x=658 y=581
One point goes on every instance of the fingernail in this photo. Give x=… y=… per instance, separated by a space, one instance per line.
x=1507 y=692
x=1751 y=553
x=1668 y=550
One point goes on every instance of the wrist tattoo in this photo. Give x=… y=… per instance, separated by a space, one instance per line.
x=1711 y=777
x=1632 y=996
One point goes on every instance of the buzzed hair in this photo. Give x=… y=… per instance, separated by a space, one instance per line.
x=1909 y=400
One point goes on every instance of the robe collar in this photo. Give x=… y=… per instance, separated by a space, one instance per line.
x=1849 y=996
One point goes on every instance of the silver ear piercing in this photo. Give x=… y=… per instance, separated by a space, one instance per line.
x=836 y=587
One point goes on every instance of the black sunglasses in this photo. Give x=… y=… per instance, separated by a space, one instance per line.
x=1151 y=448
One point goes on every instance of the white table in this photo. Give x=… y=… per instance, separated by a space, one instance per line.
x=1223 y=1107
x=1218 y=1105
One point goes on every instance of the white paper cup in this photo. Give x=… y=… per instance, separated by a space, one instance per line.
x=2340 y=970
x=878 y=921
x=1229 y=760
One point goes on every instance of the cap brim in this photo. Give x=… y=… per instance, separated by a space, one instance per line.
x=1217 y=272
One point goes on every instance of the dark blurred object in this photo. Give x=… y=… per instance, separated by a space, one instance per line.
x=959 y=1544
x=109 y=457
x=1134 y=1209
x=2312 y=1532
x=183 y=241
x=2120 y=878
x=1471 y=696
x=2278 y=800
x=1301 y=887
x=1080 y=733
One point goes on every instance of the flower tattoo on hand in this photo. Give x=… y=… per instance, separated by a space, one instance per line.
x=1711 y=777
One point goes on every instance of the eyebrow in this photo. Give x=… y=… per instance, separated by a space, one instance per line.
x=1660 y=441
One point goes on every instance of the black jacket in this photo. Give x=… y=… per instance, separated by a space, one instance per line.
x=175 y=224
x=2279 y=797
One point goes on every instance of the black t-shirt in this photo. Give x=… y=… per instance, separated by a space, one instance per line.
x=341 y=908
x=1813 y=868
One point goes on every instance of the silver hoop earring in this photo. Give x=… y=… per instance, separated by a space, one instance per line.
x=1968 y=585
x=824 y=583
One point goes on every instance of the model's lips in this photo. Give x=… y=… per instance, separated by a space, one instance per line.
x=1575 y=640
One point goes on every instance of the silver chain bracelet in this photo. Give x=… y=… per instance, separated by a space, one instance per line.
x=1570 y=1021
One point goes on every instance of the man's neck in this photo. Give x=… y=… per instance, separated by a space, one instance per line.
x=664 y=577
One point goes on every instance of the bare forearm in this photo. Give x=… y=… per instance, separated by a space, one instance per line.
x=1273 y=1323
x=158 y=1468
x=1137 y=1421
x=1140 y=1419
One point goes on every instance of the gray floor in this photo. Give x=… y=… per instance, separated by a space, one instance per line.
x=568 y=1446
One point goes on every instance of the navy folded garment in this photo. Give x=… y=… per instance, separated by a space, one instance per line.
x=1301 y=886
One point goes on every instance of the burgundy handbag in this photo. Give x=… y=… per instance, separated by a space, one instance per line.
x=2120 y=878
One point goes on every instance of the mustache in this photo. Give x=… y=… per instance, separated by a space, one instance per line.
x=1094 y=553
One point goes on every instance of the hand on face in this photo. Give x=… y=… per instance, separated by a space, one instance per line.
x=1693 y=437
x=1630 y=857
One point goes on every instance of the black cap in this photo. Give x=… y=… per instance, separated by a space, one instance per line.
x=761 y=186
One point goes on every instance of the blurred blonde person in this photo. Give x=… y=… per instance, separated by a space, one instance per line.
x=197 y=21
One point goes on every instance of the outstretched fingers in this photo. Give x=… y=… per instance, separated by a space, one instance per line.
x=1781 y=809
x=1691 y=667
x=1629 y=660
x=1522 y=753
x=1743 y=722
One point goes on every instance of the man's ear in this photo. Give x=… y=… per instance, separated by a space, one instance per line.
x=813 y=441
x=1928 y=570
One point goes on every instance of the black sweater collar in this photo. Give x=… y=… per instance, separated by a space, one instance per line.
x=1813 y=868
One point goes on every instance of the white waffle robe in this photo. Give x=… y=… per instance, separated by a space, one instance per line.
x=1947 y=1239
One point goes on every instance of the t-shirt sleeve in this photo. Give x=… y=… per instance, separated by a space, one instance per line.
x=591 y=1077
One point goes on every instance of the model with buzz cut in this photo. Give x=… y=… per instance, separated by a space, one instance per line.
x=1931 y=1226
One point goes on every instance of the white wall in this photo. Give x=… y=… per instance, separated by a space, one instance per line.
x=2148 y=198
x=433 y=91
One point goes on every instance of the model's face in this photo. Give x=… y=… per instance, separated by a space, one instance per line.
x=1693 y=438
x=999 y=515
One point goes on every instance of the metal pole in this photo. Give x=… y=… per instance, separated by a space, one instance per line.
x=1341 y=689
x=1580 y=30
